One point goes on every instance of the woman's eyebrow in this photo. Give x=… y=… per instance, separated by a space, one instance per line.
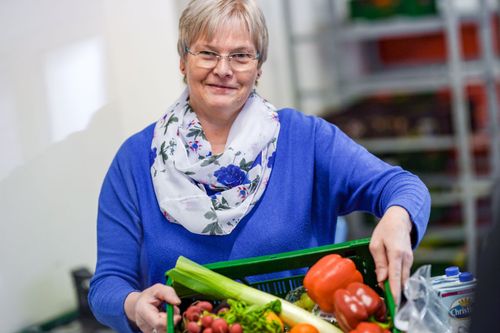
x=247 y=49
x=243 y=49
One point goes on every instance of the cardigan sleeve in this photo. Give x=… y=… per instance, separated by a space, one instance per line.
x=361 y=181
x=119 y=235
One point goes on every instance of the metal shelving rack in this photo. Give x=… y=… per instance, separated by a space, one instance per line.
x=454 y=74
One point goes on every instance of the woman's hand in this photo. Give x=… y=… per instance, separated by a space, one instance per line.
x=390 y=247
x=143 y=308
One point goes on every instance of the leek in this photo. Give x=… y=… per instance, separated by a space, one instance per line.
x=209 y=283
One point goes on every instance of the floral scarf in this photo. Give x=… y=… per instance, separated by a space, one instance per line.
x=209 y=194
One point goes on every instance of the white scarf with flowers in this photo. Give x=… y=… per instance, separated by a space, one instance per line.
x=209 y=194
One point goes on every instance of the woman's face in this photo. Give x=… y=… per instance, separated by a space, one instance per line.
x=220 y=90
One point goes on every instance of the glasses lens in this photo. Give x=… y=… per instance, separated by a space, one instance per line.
x=242 y=61
x=207 y=59
x=237 y=61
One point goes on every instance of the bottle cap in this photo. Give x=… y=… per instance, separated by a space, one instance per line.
x=465 y=277
x=452 y=271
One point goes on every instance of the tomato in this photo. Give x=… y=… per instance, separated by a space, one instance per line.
x=304 y=328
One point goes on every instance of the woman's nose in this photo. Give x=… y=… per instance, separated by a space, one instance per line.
x=223 y=67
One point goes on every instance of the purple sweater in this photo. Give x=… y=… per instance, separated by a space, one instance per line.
x=319 y=173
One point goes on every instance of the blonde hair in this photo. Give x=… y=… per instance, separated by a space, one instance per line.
x=203 y=18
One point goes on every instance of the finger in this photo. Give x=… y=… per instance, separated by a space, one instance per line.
x=150 y=306
x=151 y=316
x=166 y=294
x=161 y=326
x=157 y=321
x=407 y=263
x=377 y=249
x=143 y=324
x=395 y=268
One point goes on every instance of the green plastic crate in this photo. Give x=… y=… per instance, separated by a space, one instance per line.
x=241 y=269
x=370 y=10
x=417 y=8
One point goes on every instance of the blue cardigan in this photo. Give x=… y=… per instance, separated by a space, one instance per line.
x=319 y=173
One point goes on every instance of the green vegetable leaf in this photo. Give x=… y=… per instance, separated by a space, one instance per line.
x=252 y=318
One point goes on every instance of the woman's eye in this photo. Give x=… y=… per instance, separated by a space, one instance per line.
x=240 y=56
x=208 y=54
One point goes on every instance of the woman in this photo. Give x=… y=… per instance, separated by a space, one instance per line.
x=224 y=175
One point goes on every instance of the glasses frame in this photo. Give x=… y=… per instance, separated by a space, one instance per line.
x=222 y=56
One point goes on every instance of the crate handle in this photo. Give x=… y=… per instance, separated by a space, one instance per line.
x=391 y=305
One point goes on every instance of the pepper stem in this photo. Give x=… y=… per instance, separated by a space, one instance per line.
x=385 y=325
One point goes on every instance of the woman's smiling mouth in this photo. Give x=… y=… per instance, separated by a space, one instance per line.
x=220 y=88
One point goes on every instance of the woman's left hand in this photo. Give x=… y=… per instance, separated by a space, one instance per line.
x=142 y=308
x=390 y=247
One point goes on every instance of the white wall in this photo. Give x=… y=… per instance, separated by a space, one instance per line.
x=76 y=79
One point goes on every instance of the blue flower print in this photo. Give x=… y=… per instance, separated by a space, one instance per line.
x=152 y=156
x=194 y=145
x=270 y=160
x=231 y=176
x=242 y=192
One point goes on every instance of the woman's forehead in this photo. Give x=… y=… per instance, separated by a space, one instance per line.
x=234 y=31
x=226 y=44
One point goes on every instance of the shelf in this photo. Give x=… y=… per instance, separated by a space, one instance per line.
x=455 y=197
x=391 y=27
x=435 y=235
x=394 y=27
x=480 y=188
x=409 y=144
x=420 y=143
x=448 y=233
x=449 y=181
x=398 y=26
x=452 y=255
x=346 y=40
x=360 y=30
x=414 y=79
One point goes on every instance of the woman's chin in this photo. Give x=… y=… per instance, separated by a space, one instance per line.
x=225 y=104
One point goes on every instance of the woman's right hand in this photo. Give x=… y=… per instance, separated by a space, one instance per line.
x=143 y=308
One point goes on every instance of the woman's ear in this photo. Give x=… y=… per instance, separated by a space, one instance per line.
x=259 y=73
x=182 y=66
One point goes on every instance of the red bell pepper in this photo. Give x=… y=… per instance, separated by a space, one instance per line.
x=328 y=274
x=366 y=327
x=357 y=303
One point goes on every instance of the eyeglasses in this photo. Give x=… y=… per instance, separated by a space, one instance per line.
x=238 y=61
